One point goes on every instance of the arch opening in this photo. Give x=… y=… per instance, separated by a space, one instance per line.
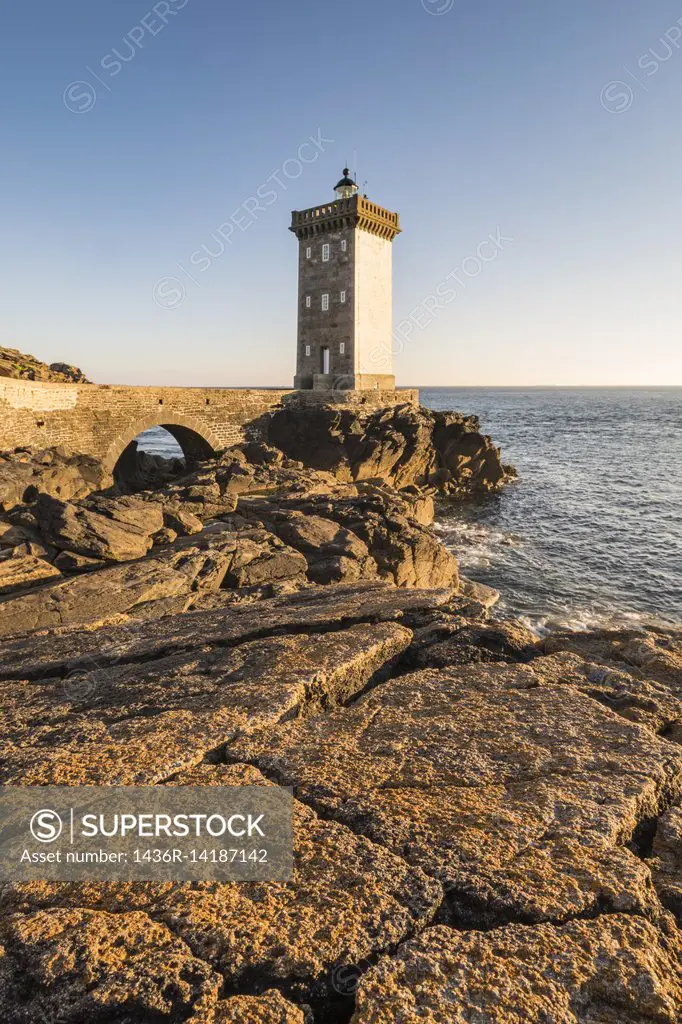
x=159 y=454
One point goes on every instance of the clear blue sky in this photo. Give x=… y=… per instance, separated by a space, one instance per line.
x=466 y=116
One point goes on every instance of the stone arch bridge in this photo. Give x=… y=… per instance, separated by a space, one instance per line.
x=102 y=420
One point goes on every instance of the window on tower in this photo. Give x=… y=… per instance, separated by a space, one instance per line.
x=343 y=296
x=308 y=302
x=344 y=246
x=326 y=249
x=342 y=348
x=307 y=350
x=325 y=302
x=308 y=252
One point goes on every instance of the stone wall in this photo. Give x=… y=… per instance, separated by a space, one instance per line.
x=102 y=420
x=369 y=400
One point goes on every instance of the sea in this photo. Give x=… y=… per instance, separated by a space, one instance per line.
x=590 y=535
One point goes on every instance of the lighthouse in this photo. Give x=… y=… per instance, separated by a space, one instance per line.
x=345 y=293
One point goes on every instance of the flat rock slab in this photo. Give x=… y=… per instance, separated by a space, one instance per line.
x=100 y=596
x=519 y=795
x=349 y=900
x=645 y=701
x=137 y=723
x=25 y=571
x=317 y=608
x=79 y=965
x=615 y=970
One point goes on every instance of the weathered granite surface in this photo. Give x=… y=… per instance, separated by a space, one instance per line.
x=666 y=861
x=137 y=723
x=79 y=965
x=519 y=793
x=487 y=825
x=43 y=653
x=349 y=900
x=615 y=970
x=646 y=653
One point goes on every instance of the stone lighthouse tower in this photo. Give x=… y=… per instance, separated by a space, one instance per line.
x=345 y=294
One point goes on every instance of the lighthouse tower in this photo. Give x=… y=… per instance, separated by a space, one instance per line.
x=345 y=294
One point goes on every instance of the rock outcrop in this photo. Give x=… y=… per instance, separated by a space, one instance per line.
x=20 y=366
x=170 y=580
x=401 y=446
x=127 y=723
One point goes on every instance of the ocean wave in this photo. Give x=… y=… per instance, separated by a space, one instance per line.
x=583 y=620
x=475 y=544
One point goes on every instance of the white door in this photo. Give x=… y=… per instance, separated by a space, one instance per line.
x=325 y=360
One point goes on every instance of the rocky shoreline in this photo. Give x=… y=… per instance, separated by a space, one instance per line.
x=487 y=824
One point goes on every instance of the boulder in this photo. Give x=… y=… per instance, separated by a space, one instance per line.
x=112 y=529
x=332 y=553
x=166 y=582
x=615 y=970
x=515 y=790
x=405 y=552
x=140 y=470
x=479 y=593
x=70 y=563
x=22 y=366
x=98 y=597
x=181 y=520
x=261 y=558
x=20 y=534
x=263 y=470
x=25 y=473
x=67 y=373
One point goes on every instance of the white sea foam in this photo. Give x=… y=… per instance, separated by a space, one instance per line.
x=476 y=544
x=585 y=620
